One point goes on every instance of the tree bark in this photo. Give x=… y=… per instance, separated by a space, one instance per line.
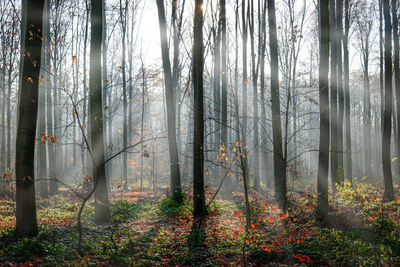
x=333 y=96
x=102 y=211
x=279 y=162
x=26 y=223
x=323 y=156
x=199 y=207
x=387 y=126
x=170 y=97
x=346 y=69
x=396 y=71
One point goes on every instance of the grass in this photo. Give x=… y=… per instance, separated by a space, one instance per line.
x=150 y=230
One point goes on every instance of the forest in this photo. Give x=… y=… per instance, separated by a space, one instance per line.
x=199 y=133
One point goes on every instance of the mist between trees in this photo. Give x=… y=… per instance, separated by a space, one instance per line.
x=205 y=99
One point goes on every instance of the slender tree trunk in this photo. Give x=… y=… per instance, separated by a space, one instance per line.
x=346 y=70
x=106 y=88
x=26 y=223
x=396 y=72
x=381 y=73
x=367 y=114
x=224 y=70
x=255 y=67
x=199 y=207
x=333 y=96
x=323 y=157
x=102 y=211
x=279 y=162
x=49 y=103
x=340 y=89
x=169 y=93
x=41 y=131
x=387 y=126
x=123 y=12
x=264 y=138
x=217 y=90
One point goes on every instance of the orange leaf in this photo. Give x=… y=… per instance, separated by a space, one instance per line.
x=30 y=80
x=213 y=212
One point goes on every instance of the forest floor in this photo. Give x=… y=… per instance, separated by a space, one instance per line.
x=148 y=229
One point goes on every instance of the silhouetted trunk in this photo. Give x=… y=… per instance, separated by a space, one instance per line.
x=381 y=61
x=323 y=157
x=396 y=71
x=279 y=162
x=387 y=126
x=255 y=67
x=199 y=207
x=339 y=37
x=26 y=223
x=102 y=211
x=263 y=123
x=333 y=96
x=224 y=70
x=346 y=74
x=171 y=118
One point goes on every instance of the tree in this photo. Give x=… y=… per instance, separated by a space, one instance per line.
x=123 y=15
x=346 y=74
x=340 y=89
x=364 y=28
x=323 y=156
x=102 y=211
x=224 y=70
x=199 y=207
x=387 y=124
x=279 y=162
x=171 y=118
x=396 y=68
x=333 y=95
x=26 y=223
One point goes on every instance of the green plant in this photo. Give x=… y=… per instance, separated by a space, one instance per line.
x=171 y=208
x=122 y=210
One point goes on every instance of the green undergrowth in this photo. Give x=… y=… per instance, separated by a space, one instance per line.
x=149 y=230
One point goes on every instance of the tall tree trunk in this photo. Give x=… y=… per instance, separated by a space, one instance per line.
x=279 y=162
x=102 y=211
x=217 y=90
x=106 y=88
x=169 y=93
x=396 y=72
x=387 y=126
x=346 y=70
x=367 y=113
x=26 y=223
x=381 y=74
x=199 y=207
x=49 y=103
x=333 y=96
x=224 y=70
x=340 y=89
x=41 y=133
x=122 y=15
x=323 y=157
x=264 y=138
x=255 y=67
